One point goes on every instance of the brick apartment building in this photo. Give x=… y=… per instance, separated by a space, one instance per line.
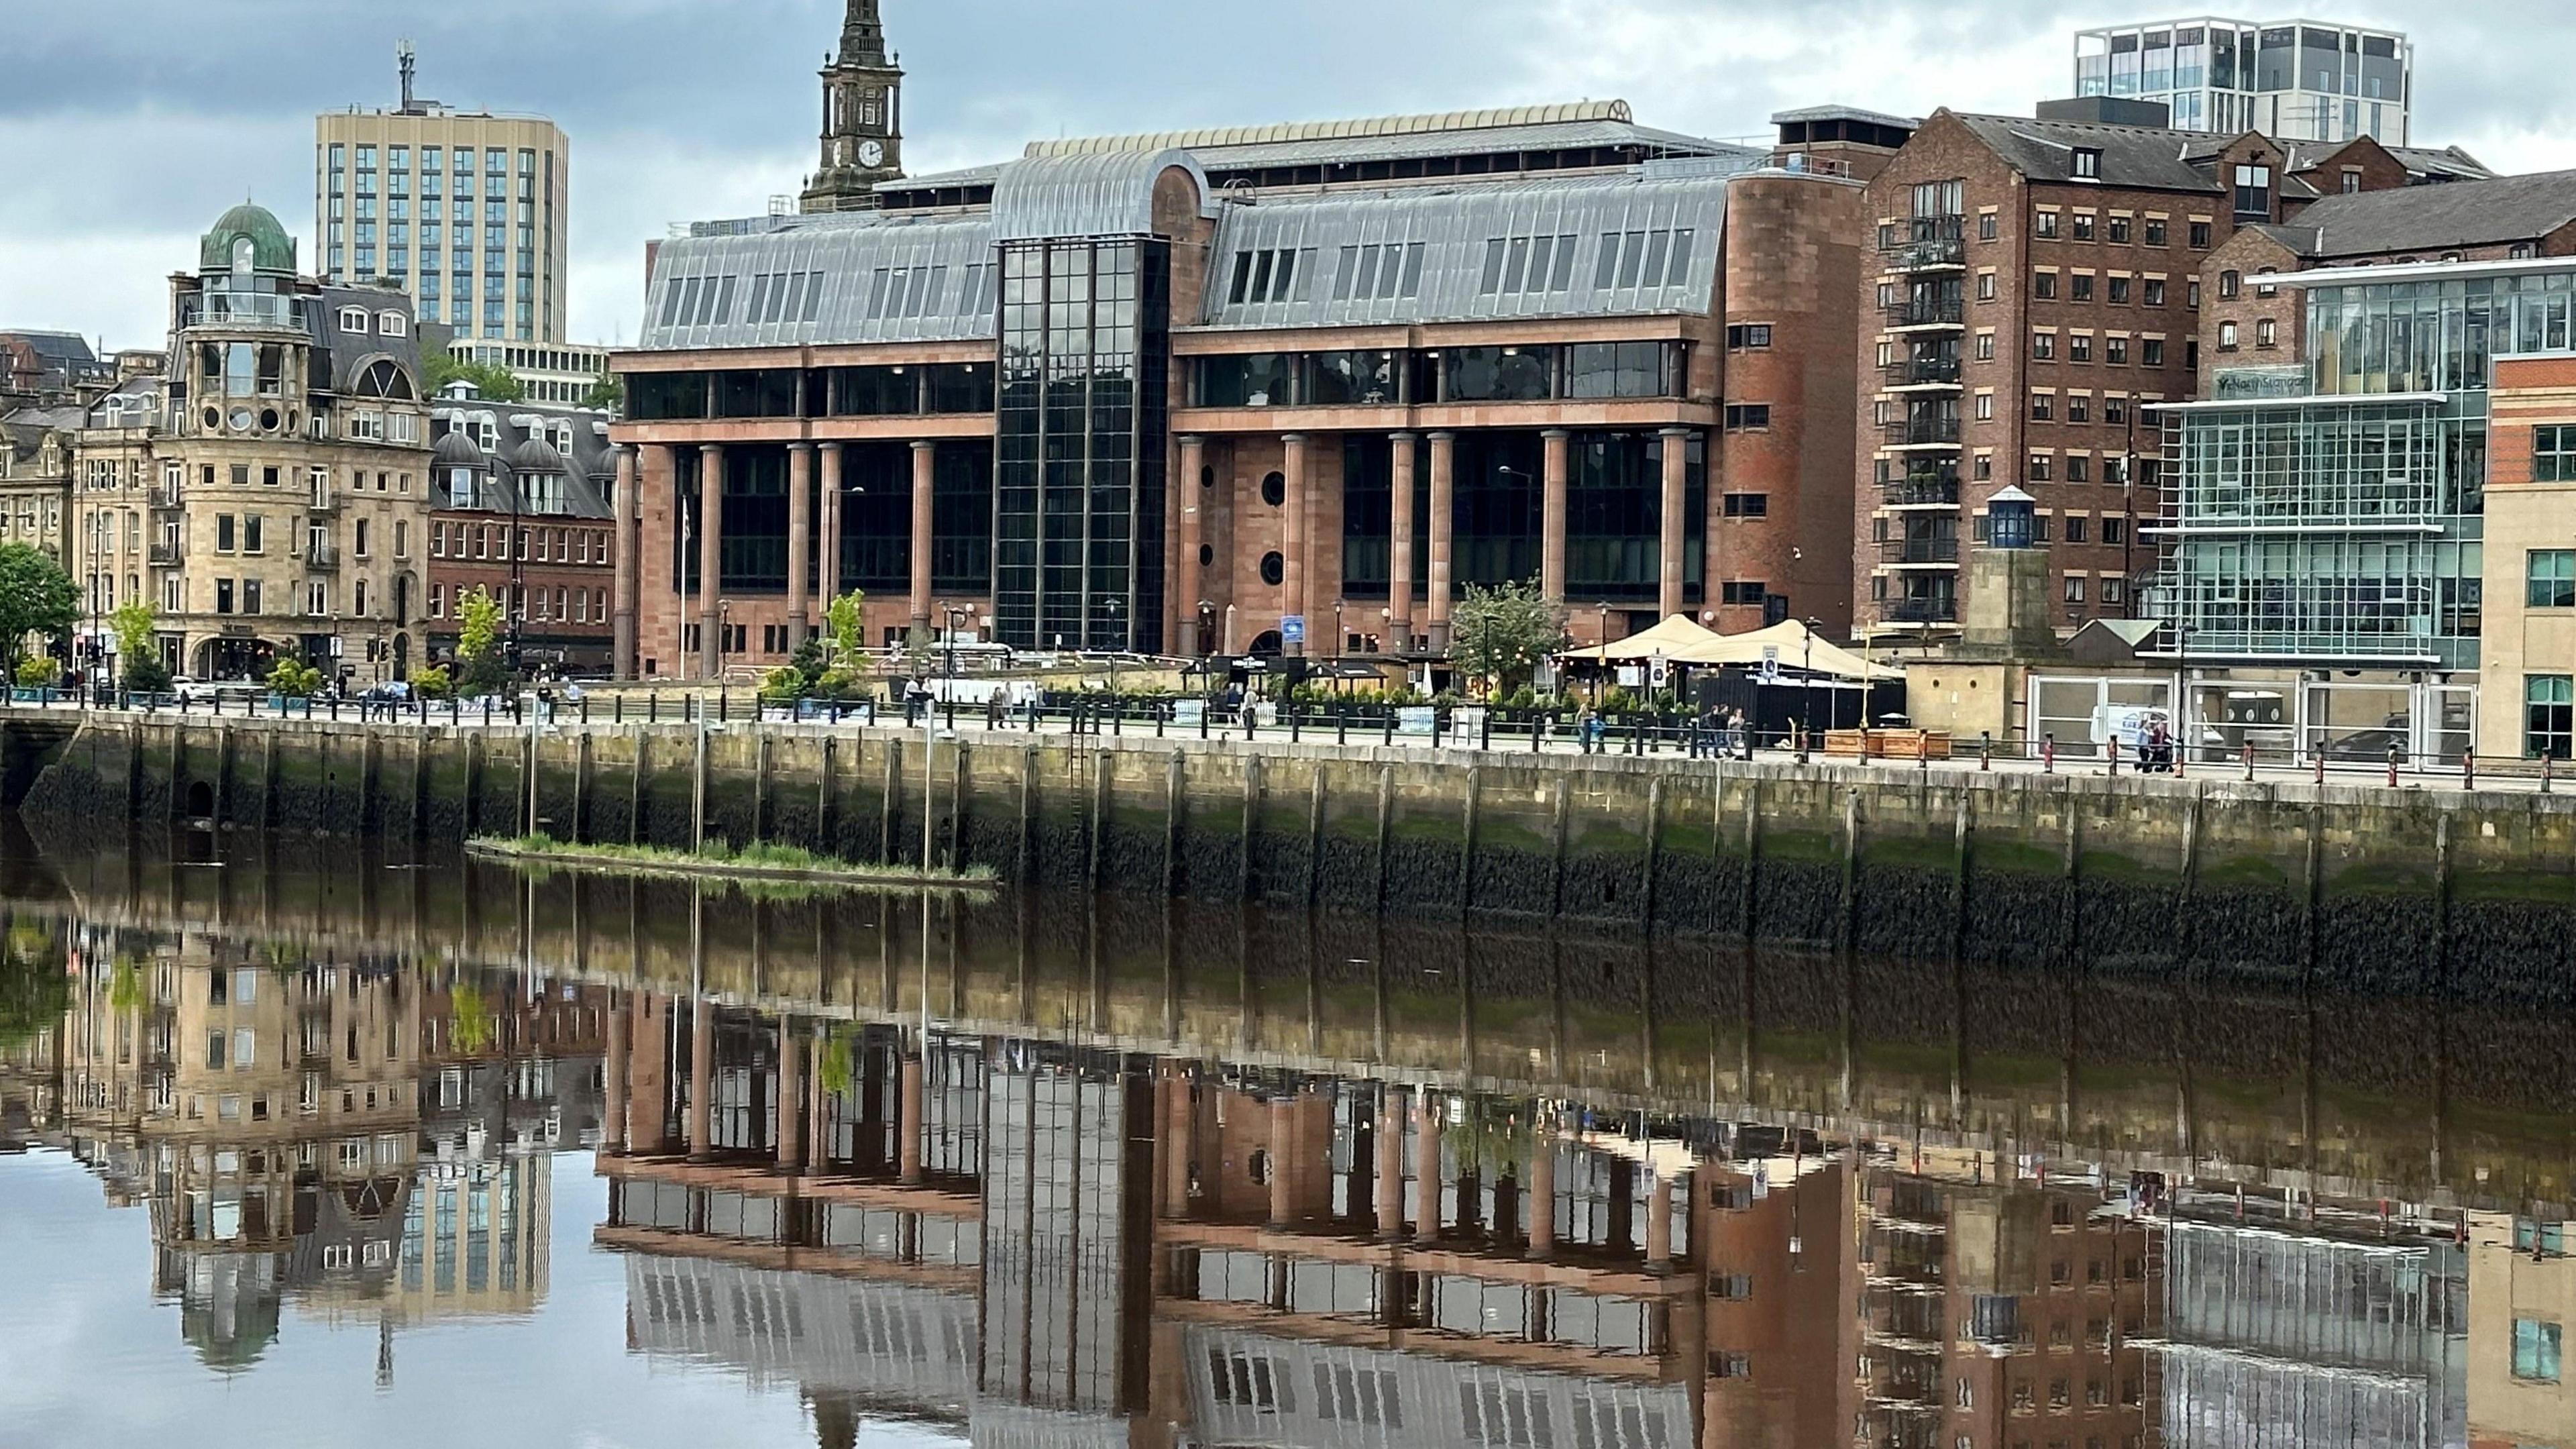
x=1282 y=389
x=520 y=505
x=2040 y=281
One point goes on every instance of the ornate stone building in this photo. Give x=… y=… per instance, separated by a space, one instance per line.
x=862 y=118
x=275 y=503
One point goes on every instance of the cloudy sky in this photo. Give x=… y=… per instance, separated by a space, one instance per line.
x=124 y=131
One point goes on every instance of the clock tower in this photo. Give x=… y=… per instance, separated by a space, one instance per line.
x=862 y=117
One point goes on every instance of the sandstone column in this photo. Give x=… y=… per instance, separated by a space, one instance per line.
x=648 y=1064
x=1192 y=524
x=630 y=532
x=1399 y=563
x=1542 y=1189
x=924 y=456
x=829 y=570
x=1426 y=1168
x=1389 y=1131
x=908 y=1150
x=1659 y=1225
x=1292 y=545
x=800 y=540
x=1436 y=612
x=1283 y=1152
x=710 y=559
x=612 y=1111
x=1552 y=496
x=1668 y=595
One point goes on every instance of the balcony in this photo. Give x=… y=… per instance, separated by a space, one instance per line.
x=1919 y=611
x=1923 y=372
x=323 y=503
x=1918 y=551
x=322 y=558
x=166 y=554
x=166 y=498
x=1928 y=243
x=1920 y=490
x=1922 y=431
x=1926 y=312
x=215 y=308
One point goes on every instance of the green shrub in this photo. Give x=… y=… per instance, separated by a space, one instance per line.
x=38 y=673
x=294 y=679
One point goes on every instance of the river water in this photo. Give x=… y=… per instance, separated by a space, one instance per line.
x=299 y=1145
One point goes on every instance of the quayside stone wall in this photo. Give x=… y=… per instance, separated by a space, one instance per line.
x=2357 y=890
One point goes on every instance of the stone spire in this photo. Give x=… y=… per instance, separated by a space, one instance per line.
x=863 y=35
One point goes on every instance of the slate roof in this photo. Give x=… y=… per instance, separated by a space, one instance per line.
x=524 y=439
x=2432 y=218
x=2134 y=156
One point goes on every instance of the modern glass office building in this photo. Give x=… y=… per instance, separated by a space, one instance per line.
x=2293 y=81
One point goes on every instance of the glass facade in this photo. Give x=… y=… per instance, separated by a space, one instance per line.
x=2347 y=527
x=1078 y=470
x=2292 y=82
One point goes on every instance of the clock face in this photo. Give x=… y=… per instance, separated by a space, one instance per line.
x=871 y=153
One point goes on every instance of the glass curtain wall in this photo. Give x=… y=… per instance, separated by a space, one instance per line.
x=1078 y=474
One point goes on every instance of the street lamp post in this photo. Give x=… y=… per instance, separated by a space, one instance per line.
x=1340 y=637
x=1807 y=686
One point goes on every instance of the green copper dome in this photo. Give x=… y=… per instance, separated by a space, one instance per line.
x=272 y=250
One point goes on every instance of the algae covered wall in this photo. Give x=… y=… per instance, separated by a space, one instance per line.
x=2349 y=888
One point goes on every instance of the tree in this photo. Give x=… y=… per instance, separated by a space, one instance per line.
x=847 y=620
x=480 y=669
x=496 y=383
x=36 y=597
x=134 y=626
x=607 y=394
x=34 y=993
x=1500 y=634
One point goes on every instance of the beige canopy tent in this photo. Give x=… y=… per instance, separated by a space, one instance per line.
x=1675 y=638
x=1681 y=640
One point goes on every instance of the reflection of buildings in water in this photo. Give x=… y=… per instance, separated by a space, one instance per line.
x=2522 y=1297
x=2286 y=1334
x=1999 y=1311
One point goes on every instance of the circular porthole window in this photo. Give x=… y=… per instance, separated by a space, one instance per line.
x=1207 y=477
x=1207 y=555
x=241 y=420
x=1274 y=489
x=268 y=420
x=214 y=419
x=1273 y=568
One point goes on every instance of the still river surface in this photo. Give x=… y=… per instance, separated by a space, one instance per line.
x=299 y=1147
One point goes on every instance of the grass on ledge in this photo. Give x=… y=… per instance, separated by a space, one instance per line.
x=722 y=852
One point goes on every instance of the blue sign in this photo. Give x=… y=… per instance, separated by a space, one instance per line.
x=1292 y=629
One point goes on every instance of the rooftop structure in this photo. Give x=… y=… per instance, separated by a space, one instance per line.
x=2289 y=79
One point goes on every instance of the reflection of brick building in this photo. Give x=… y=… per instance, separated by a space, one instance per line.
x=2522 y=1298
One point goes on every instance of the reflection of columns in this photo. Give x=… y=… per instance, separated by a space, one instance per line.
x=1659 y=1225
x=1426 y=1167
x=1668 y=594
x=1193 y=523
x=702 y=1077
x=648 y=1104
x=1443 y=459
x=924 y=456
x=1389 y=1128
x=908 y=1149
x=1399 y=542
x=1283 y=1137
x=791 y=1095
x=1292 y=543
x=800 y=539
x=1542 y=1190
x=829 y=570
x=1180 y=1136
x=629 y=542
x=612 y=1113
x=710 y=558
x=1551 y=534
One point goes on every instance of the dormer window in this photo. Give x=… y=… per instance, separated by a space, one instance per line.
x=392 y=324
x=353 y=319
x=2254 y=191
x=2088 y=163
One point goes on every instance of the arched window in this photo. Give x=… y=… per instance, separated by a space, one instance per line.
x=392 y=324
x=353 y=319
x=245 y=252
x=384 y=378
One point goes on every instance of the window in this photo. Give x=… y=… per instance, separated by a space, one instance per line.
x=2535 y=1345
x=353 y=319
x=2155 y=291
x=2079 y=347
x=2088 y=167
x=2253 y=191
x=1750 y=337
x=1985 y=347
x=2075 y=527
x=1637 y=258
x=2118 y=292
x=2042 y=407
x=1986 y=226
x=2263 y=288
x=2151 y=351
x=2156 y=233
x=2043 y=346
x=2553 y=454
x=1383 y=271
x=2041 y=465
x=2081 y=289
x=2079 y=408
x=1985 y=407
x=2115 y=351
x=1748 y=505
x=2549 y=579
x=2114 y=531
x=2227 y=337
x=2119 y=230
x=2549 y=727
x=1985 y=286
x=2112 y=592
x=1742 y=417
x=1743 y=594
x=392 y=324
x=2044 y=225
x=2083 y=226
x=2043 y=285
x=2200 y=236
x=1529 y=265
x=2230 y=286
x=2266 y=332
